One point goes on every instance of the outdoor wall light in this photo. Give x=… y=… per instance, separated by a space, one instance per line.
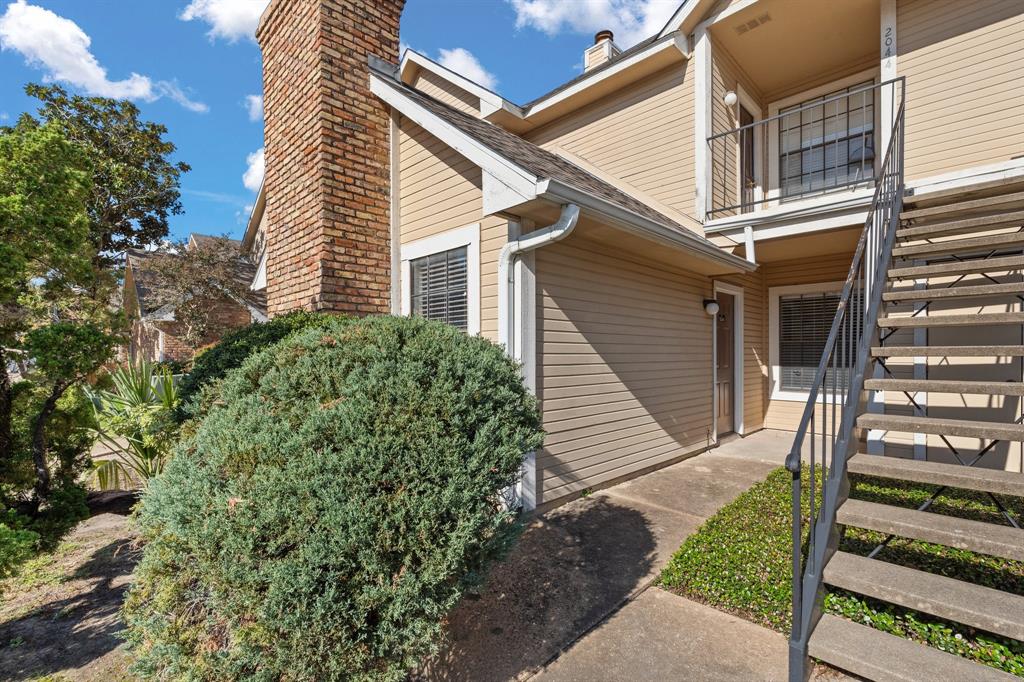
x=730 y=99
x=710 y=306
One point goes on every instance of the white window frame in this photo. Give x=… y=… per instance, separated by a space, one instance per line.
x=467 y=236
x=773 y=189
x=774 y=294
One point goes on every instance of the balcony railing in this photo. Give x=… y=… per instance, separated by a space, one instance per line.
x=806 y=150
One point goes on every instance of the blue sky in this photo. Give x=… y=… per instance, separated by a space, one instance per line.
x=194 y=66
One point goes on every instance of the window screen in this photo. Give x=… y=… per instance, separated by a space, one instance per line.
x=440 y=287
x=804 y=324
x=827 y=146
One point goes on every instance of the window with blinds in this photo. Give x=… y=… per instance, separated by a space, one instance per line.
x=440 y=287
x=804 y=324
x=827 y=146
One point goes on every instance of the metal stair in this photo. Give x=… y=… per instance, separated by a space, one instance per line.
x=960 y=249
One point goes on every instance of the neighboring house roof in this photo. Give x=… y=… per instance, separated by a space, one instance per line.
x=245 y=271
x=517 y=164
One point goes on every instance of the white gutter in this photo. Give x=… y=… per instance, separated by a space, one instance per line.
x=516 y=321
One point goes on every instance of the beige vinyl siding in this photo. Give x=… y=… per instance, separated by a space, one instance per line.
x=441 y=89
x=785 y=414
x=755 y=349
x=965 y=103
x=439 y=190
x=641 y=136
x=724 y=152
x=624 y=366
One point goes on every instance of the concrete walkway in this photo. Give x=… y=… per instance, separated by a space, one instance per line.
x=571 y=602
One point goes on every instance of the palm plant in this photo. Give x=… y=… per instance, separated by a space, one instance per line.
x=135 y=422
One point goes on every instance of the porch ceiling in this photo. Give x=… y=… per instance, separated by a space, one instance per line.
x=800 y=40
x=808 y=246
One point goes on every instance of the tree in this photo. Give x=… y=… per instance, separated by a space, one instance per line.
x=193 y=279
x=135 y=184
x=44 y=236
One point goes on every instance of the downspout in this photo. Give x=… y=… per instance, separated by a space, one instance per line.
x=516 y=340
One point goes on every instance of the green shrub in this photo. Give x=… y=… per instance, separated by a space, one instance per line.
x=331 y=507
x=739 y=561
x=212 y=363
x=17 y=544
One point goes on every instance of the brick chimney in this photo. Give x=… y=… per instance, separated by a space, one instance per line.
x=327 y=154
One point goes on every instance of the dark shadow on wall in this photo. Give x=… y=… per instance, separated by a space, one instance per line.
x=572 y=567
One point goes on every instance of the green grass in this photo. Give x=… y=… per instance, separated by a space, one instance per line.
x=739 y=561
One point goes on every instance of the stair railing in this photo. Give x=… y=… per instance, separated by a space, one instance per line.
x=827 y=428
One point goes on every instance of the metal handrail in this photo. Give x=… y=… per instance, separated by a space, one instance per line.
x=810 y=105
x=827 y=421
x=853 y=173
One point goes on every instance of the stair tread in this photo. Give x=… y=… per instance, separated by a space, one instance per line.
x=976 y=536
x=954 y=292
x=992 y=241
x=947 y=351
x=963 y=602
x=938 y=473
x=978 y=190
x=951 y=320
x=970 y=205
x=946 y=386
x=967 y=428
x=950 y=227
x=877 y=655
x=989 y=265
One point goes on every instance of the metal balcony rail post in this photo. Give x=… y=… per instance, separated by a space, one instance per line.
x=844 y=148
x=826 y=430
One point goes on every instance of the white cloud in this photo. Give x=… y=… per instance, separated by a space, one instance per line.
x=172 y=90
x=60 y=47
x=464 y=63
x=4 y=116
x=254 y=105
x=228 y=19
x=630 y=20
x=253 y=176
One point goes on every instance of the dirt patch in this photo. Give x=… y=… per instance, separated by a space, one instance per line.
x=59 y=619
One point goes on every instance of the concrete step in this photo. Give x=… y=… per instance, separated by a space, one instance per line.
x=978 y=190
x=991 y=242
x=989 y=265
x=942 y=427
x=961 y=225
x=947 y=351
x=931 y=321
x=937 y=473
x=981 y=607
x=990 y=204
x=877 y=655
x=946 y=293
x=975 y=536
x=944 y=386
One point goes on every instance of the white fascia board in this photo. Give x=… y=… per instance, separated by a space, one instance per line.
x=633 y=222
x=514 y=184
x=490 y=102
x=678 y=42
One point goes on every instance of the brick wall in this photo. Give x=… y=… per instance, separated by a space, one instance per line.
x=145 y=341
x=327 y=145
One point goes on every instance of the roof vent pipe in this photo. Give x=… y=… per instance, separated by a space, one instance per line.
x=602 y=51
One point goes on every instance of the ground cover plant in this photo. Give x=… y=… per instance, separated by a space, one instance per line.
x=739 y=561
x=334 y=503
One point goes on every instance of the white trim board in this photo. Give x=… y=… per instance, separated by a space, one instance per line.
x=737 y=361
x=468 y=236
x=775 y=392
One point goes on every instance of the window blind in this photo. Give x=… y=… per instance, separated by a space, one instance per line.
x=805 y=321
x=440 y=287
x=832 y=145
